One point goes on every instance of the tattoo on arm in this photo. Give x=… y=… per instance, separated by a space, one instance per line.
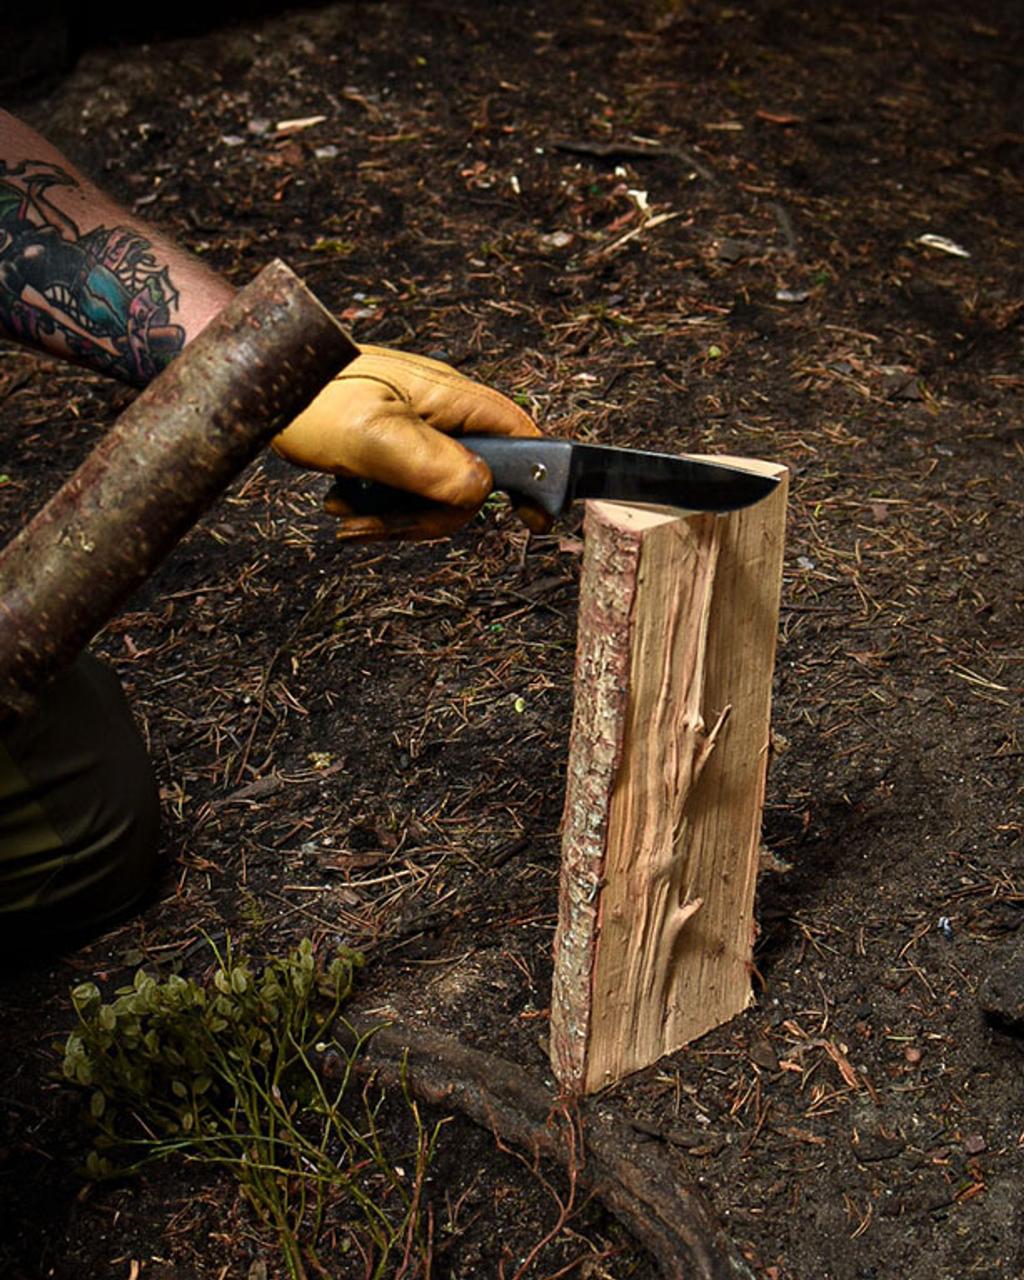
x=102 y=298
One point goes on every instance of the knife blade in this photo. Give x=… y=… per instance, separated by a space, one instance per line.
x=553 y=473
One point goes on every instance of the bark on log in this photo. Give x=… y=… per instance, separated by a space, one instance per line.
x=661 y=830
x=165 y=460
x=638 y=1182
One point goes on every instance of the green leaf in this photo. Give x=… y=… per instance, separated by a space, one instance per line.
x=325 y=244
x=84 y=996
x=96 y=1166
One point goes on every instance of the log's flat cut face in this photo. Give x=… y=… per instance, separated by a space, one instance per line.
x=678 y=619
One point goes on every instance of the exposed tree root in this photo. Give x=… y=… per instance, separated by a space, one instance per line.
x=636 y=1181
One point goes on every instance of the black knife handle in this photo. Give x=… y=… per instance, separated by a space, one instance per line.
x=534 y=470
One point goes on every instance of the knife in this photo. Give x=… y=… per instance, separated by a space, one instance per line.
x=552 y=474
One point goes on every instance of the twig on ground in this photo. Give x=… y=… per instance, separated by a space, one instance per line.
x=636 y=150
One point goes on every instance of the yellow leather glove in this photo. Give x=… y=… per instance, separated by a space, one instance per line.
x=390 y=416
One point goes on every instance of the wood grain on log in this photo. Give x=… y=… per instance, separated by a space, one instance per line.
x=165 y=460
x=665 y=786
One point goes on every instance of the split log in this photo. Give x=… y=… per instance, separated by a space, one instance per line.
x=639 y=1182
x=165 y=460
x=668 y=752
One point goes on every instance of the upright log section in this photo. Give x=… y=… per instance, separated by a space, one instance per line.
x=665 y=788
x=165 y=460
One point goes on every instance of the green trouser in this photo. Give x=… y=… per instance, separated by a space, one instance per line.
x=79 y=812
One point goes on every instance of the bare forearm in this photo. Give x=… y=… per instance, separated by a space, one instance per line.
x=82 y=279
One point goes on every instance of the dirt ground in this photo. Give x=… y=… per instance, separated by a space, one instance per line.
x=369 y=744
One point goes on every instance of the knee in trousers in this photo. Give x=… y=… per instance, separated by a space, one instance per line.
x=79 y=808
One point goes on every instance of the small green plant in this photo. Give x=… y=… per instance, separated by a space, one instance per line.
x=244 y=1071
x=333 y=245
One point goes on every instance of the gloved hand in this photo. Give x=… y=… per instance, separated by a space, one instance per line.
x=389 y=416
